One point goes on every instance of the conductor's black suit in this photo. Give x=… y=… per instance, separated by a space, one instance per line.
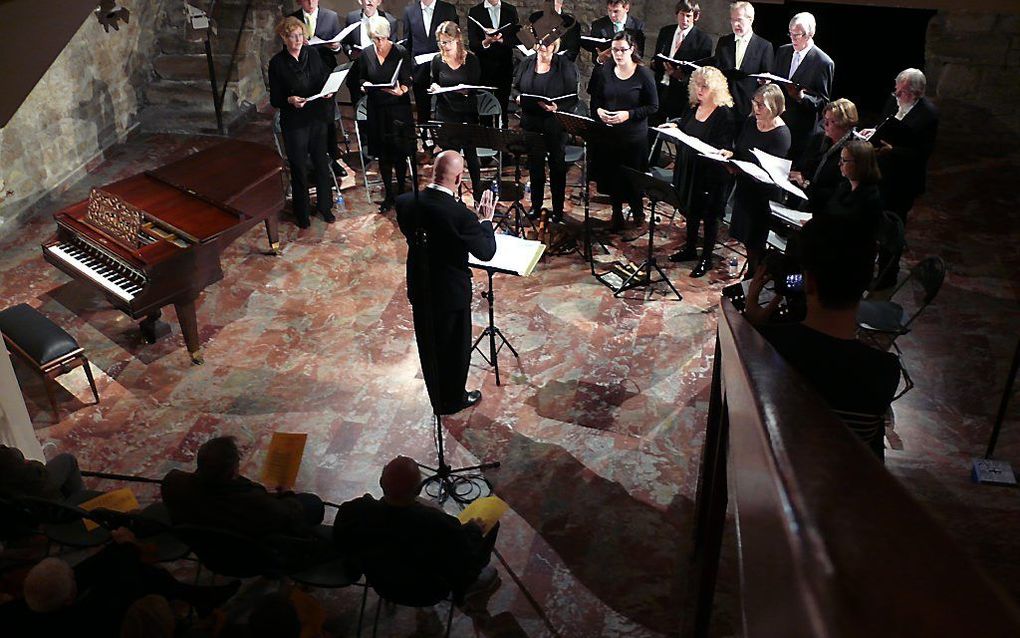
x=438 y=278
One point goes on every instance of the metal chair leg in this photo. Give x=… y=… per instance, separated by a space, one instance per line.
x=375 y=626
x=361 y=614
x=449 y=620
x=92 y=381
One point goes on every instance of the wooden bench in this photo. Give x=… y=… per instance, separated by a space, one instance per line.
x=45 y=346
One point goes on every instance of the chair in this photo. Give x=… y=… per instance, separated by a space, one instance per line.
x=881 y=323
x=151 y=526
x=361 y=115
x=892 y=241
x=277 y=139
x=314 y=562
x=228 y=553
x=489 y=112
x=45 y=346
x=64 y=523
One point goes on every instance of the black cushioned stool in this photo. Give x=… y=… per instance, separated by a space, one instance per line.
x=45 y=346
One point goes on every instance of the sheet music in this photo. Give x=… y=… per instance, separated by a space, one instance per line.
x=424 y=58
x=461 y=87
x=676 y=62
x=543 y=98
x=753 y=170
x=778 y=169
x=513 y=255
x=774 y=78
x=590 y=38
x=794 y=217
x=699 y=146
x=333 y=83
x=489 y=30
x=340 y=36
x=391 y=84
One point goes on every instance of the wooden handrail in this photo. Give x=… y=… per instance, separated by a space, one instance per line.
x=830 y=543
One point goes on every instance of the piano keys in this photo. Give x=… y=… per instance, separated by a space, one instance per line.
x=155 y=239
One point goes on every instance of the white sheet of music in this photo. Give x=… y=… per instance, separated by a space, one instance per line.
x=690 y=140
x=424 y=58
x=778 y=169
x=513 y=255
x=332 y=85
x=794 y=217
x=753 y=170
x=773 y=78
x=461 y=87
x=340 y=36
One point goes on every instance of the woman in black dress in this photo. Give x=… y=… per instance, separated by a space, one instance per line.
x=623 y=95
x=857 y=198
x=385 y=106
x=766 y=131
x=704 y=182
x=295 y=73
x=456 y=65
x=552 y=76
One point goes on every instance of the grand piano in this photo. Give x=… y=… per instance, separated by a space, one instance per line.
x=155 y=238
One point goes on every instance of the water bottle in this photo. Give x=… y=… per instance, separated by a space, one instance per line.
x=495 y=190
x=341 y=204
x=527 y=189
x=734 y=271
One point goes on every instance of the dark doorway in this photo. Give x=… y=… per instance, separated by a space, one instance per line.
x=869 y=45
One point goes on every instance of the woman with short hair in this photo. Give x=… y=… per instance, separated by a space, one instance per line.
x=819 y=173
x=704 y=182
x=386 y=106
x=764 y=130
x=296 y=73
x=857 y=197
x=456 y=65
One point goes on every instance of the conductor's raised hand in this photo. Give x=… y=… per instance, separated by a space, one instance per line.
x=486 y=207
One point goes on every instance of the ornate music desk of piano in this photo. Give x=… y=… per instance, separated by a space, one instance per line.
x=155 y=239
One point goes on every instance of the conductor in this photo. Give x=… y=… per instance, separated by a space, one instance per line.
x=440 y=232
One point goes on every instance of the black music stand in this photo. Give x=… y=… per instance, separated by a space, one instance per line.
x=656 y=191
x=585 y=129
x=462 y=484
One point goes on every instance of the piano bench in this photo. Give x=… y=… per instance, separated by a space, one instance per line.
x=45 y=346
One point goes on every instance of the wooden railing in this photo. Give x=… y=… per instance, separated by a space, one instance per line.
x=828 y=542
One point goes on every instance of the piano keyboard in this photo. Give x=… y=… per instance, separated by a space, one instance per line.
x=114 y=276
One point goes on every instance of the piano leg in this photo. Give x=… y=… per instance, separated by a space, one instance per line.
x=189 y=328
x=273 y=231
x=152 y=328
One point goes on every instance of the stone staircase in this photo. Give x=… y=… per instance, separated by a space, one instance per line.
x=179 y=99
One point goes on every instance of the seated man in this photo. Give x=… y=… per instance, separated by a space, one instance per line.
x=216 y=495
x=58 y=480
x=399 y=535
x=856 y=381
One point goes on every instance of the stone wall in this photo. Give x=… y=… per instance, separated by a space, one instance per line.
x=86 y=101
x=973 y=68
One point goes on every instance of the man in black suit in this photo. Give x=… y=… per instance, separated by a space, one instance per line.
x=811 y=70
x=359 y=39
x=325 y=24
x=617 y=19
x=903 y=149
x=745 y=51
x=682 y=41
x=495 y=52
x=420 y=22
x=570 y=41
x=439 y=280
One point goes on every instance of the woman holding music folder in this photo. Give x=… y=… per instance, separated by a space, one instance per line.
x=455 y=65
x=703 y=182
x=763 y=130
x=546 y=83
x=295 y=74
x=385 y=70
x=623 y=95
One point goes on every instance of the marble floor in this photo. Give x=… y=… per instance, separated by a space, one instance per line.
x=598 y=426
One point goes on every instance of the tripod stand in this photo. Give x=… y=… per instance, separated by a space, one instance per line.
x=492 y=332
x=461 y=484
x=656 y=191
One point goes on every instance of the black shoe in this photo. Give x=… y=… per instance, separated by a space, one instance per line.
x=303 y=222
x=639 y=217
x=338 y=169
x=386 y=205
x=702 y=268
x=471 y=398
x=557 y=218
x=687 y=253
x=328 y=217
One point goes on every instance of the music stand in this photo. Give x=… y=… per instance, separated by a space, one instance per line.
x=584 y=128
x=460 y=484
x=656 y=191
x=514 y=256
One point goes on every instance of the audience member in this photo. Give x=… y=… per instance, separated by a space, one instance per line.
x=856 y=381
x=400 y=534
x=217 y=495
x=149 y=617
x=274 y=617
x=58 y=480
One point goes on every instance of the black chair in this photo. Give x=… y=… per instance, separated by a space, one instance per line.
x=64 y=523
x=151 y=526
x=314 y=562
x=227 y=553
x=881 y=323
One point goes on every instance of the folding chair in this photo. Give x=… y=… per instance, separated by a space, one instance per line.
x=281 y=151
x=361 y=115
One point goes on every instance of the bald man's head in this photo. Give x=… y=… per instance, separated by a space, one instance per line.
x=448 y=169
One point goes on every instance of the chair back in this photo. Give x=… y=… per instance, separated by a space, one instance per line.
x=488 y=105
x=403 y=569
x=230 y=554
x=891 y=233
x=930 y=272
x=361 y=110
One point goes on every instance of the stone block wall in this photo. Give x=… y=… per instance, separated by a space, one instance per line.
x=973 y=69
x=86 y=101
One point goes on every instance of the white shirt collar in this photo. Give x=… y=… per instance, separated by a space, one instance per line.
x=804 y=51
x=490 y=7
x=743 y=38
x=902 y=112
x=441 y=189
x=427 y=7
x=313 y=14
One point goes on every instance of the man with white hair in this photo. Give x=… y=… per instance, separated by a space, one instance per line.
x=746 y=51
x=811 y=70
x=903 y=144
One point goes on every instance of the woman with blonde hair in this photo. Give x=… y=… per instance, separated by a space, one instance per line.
x=456 y=65
x=818 y=170
x=764 y=130
x=704 y=182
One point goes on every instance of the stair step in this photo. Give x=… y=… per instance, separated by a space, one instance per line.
x=191 y=67
x=178 y=119
x=195 y=95
x=172 y=42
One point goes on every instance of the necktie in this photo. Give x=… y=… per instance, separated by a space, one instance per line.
x=426 y=14
x=678 y=41
x=494 y=16
x=795 y=63
x=617 y=27
x=310 y=24
x=741 y=48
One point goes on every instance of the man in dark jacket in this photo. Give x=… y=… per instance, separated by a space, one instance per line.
x=439 y=280
x=743 y=51
x=680 y=41
x=421 y=19
x=617 y=19
x=495 y=51
x=811 y=69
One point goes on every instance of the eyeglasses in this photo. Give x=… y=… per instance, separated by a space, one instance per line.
x=797 y=36
x=846 y=160
x=902 y=93
x=621 y=49
x=446 y=43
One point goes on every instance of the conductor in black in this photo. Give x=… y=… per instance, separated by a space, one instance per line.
x=440 y=232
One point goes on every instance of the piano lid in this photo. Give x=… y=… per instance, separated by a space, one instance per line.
x=222 y=173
